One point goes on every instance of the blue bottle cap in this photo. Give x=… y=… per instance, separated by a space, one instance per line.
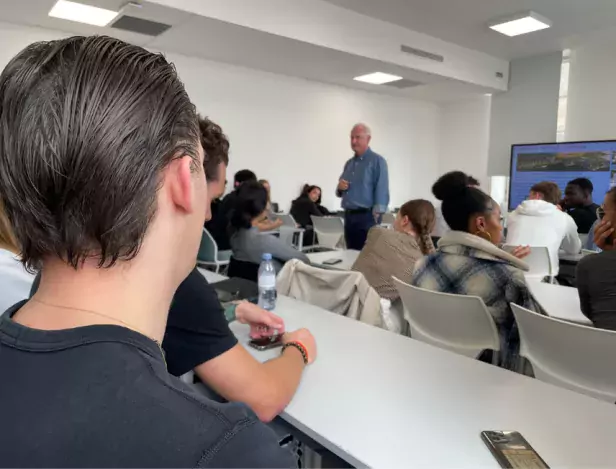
x=267 y=256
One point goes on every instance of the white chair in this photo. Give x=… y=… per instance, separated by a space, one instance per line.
x=572 y=356
x=290 y=233
x=458 y=323
x=538 y=261
x=329 y=231
x=209 y=255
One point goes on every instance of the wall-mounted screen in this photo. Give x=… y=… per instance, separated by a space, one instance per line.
x=560 y=163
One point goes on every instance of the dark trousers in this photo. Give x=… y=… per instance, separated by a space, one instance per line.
x=356 y=227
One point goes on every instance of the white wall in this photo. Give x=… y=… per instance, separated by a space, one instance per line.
x=291 y=131
x=463 y=136
x=592 y=93
x=527 y=113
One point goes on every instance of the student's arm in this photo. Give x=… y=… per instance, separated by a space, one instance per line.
x=381 y=188
x=269 y=225
x=581 y=275
x=282 y=251
x=571 y=243
x=266 y=388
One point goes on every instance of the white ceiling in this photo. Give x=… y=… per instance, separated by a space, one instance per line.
x=205 y=38
x=464 y=22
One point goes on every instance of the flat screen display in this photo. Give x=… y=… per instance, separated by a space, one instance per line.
x=560 y=163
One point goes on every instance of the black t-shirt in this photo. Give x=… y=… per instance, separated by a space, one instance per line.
x=100 y=396
x=584 y=217
x=197 y=329
x=218 y=226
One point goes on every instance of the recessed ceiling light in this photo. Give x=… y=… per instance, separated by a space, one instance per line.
x=522 y=23
x=81 y=13
x=378 y=78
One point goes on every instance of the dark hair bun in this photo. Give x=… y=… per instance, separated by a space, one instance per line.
x=450 y=185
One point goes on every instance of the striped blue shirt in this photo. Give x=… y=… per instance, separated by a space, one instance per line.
x=368 y=183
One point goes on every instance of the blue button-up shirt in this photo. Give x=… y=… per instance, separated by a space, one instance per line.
x=368 y=183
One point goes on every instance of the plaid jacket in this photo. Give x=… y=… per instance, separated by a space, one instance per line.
x=468 y=265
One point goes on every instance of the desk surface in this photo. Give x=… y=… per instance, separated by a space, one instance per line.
x=571 y=258
x=348 y=257
x=559 y=302
x=211 y=277
x=379 y=399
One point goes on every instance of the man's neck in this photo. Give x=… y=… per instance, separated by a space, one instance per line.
x=123 y=295
x=359 y=155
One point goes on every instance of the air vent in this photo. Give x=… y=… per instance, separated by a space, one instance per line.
x=139 y=25
x=422 y=53
x=402 y=84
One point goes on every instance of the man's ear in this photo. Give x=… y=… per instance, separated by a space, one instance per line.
x=179 y=179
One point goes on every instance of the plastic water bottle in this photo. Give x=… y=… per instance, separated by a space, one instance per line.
x=267 y=283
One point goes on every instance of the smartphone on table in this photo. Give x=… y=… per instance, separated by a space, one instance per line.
x=512 y=451
x=332 y=261
x=266 y=343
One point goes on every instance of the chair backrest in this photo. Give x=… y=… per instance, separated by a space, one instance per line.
x=208 y=250
x=243 y=269
x=538 y=261
x=287 y=220
x=569 y=355
x=458 y=323
x=329 y=230
x=388 y=219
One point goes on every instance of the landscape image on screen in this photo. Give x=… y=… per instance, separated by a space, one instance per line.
x=580 y=161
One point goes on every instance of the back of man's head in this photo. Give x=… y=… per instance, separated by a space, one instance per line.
x=88 y=125
x=548 y=191
x=215 y=146
x=242 y=176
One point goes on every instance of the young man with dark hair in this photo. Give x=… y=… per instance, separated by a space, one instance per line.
x=218 y=226
x=198 y=336
x=578 y=203
x=540 y=221
x=101 y=173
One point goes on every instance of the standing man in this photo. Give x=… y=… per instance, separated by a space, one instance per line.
x=364 y=188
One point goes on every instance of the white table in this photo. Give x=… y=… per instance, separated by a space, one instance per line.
x=211 y=277
x=572 y=258
x=348 y=257
x=559 y=302
x=382 y=400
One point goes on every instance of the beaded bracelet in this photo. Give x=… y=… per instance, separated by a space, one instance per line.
x=299 y=346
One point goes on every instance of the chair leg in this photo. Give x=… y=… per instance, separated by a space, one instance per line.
x=217 y=268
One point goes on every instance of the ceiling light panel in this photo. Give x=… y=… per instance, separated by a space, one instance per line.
x=81 y=13
x=378 y=78
x=522 y=23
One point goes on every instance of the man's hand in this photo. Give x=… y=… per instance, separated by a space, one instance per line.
x=277 y=223
x=602 y=236
x=306 y=339
x=520 y=251
x=377 y=216
x=262 y=322
x=343 y=185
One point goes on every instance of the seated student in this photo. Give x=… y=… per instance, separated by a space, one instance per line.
x=539 y=221
x=578 y=203
x=596 y=273
x=469 y=262
x=218 y=226
x=198 y=337
x=440 y=226
x=394 y=252
x=98 y=192
x=15 y=280
x=247 y=243
x=270 y=221
x=307 y=204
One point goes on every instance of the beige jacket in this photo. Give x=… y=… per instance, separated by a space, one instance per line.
x=341 y=292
